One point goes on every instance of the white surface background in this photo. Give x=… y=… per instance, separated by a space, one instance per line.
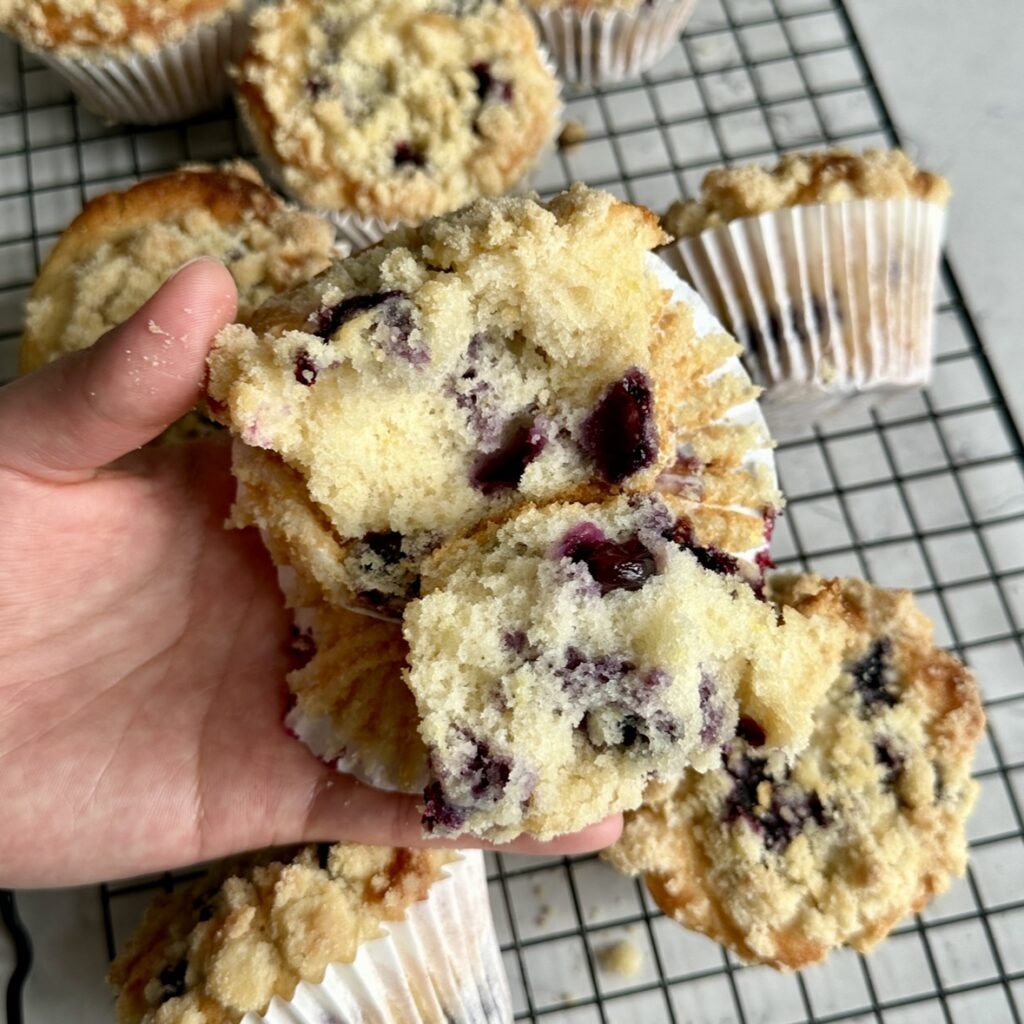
x=952 y=75
x=950 y=72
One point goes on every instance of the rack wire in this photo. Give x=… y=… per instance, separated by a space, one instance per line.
x=926 y=491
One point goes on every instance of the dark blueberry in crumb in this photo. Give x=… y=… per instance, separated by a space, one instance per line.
x=487 y=773
x=305 y=370
x=634 y=730
x=438 y=813
x=709 y=557
x=516 y=641
x=327 y=321
x=406 y=155
x=503 y=469
x=394 y=323
x=386 y=545
x=490 y=88
x=316 y=86
x=614 y=566
x=872 y=677
x=302 y=647
x=788 y=809
x=750 y=730
x=582 y=675
x=172 y=980
x=205 y=912
x=582 y=536
x=397 y=318
x=323 y=855
x=620 y=435
x=890 y=759
x=712 y=714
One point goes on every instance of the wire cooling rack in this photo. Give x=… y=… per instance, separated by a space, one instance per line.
x=926 y=491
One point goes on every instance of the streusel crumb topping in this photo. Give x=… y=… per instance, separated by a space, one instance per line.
x=124 y=245
x=97 y=28
x=401 y=109
x=227 y=944
x=803 y=179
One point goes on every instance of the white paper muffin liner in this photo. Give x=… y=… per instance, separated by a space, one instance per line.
x=361 y=230
x=597 y=47
x=704 y=323
x=440 y=964
x=829 y=301
x=176 y=82
x=318 y=732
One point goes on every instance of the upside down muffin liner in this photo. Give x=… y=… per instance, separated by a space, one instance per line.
x=440 y=963
x=596 y=47
x=357 y=230
x=828 y=301
x=176 y=82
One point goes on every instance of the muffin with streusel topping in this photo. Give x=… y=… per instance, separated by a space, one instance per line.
x=397 y=110
x=134 y=60
x=123 y=245
x=783 y=859
x=602 y=41
x=371 y=932
x=824 y=267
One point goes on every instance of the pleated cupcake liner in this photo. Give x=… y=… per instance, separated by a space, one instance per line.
x=441 y=963
x=829 y=301
x=705 y=323
x=599 y=47
x=176 y=82
x=319 y=732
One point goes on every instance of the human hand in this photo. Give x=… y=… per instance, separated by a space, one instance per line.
x=143 y=645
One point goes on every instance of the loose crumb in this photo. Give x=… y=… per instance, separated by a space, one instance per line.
x=573 y=134
x=624 y=958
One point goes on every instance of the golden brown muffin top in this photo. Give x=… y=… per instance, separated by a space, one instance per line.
x=803 y=179
x=105 y=27
x=401 y=109
x=229 y=942
x=124 y=245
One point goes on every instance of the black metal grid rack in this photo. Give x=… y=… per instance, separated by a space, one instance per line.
x=926 y=491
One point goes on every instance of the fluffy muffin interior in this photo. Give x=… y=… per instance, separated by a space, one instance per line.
x=511 y=352
x=561 y=659
x=783 y=861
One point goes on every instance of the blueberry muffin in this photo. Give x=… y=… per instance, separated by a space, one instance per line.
x=561 y=659
x=146 y=61
x=823 y=267
x=348 y=929
x=803 y=179
x=396 y=109
x=782 y=861
x=349 y=701
x=512 y=352
x=123 y=245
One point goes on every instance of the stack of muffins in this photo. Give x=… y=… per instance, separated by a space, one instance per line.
x=519 y=491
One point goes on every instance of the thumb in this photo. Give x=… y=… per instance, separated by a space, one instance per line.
x=81 y=412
